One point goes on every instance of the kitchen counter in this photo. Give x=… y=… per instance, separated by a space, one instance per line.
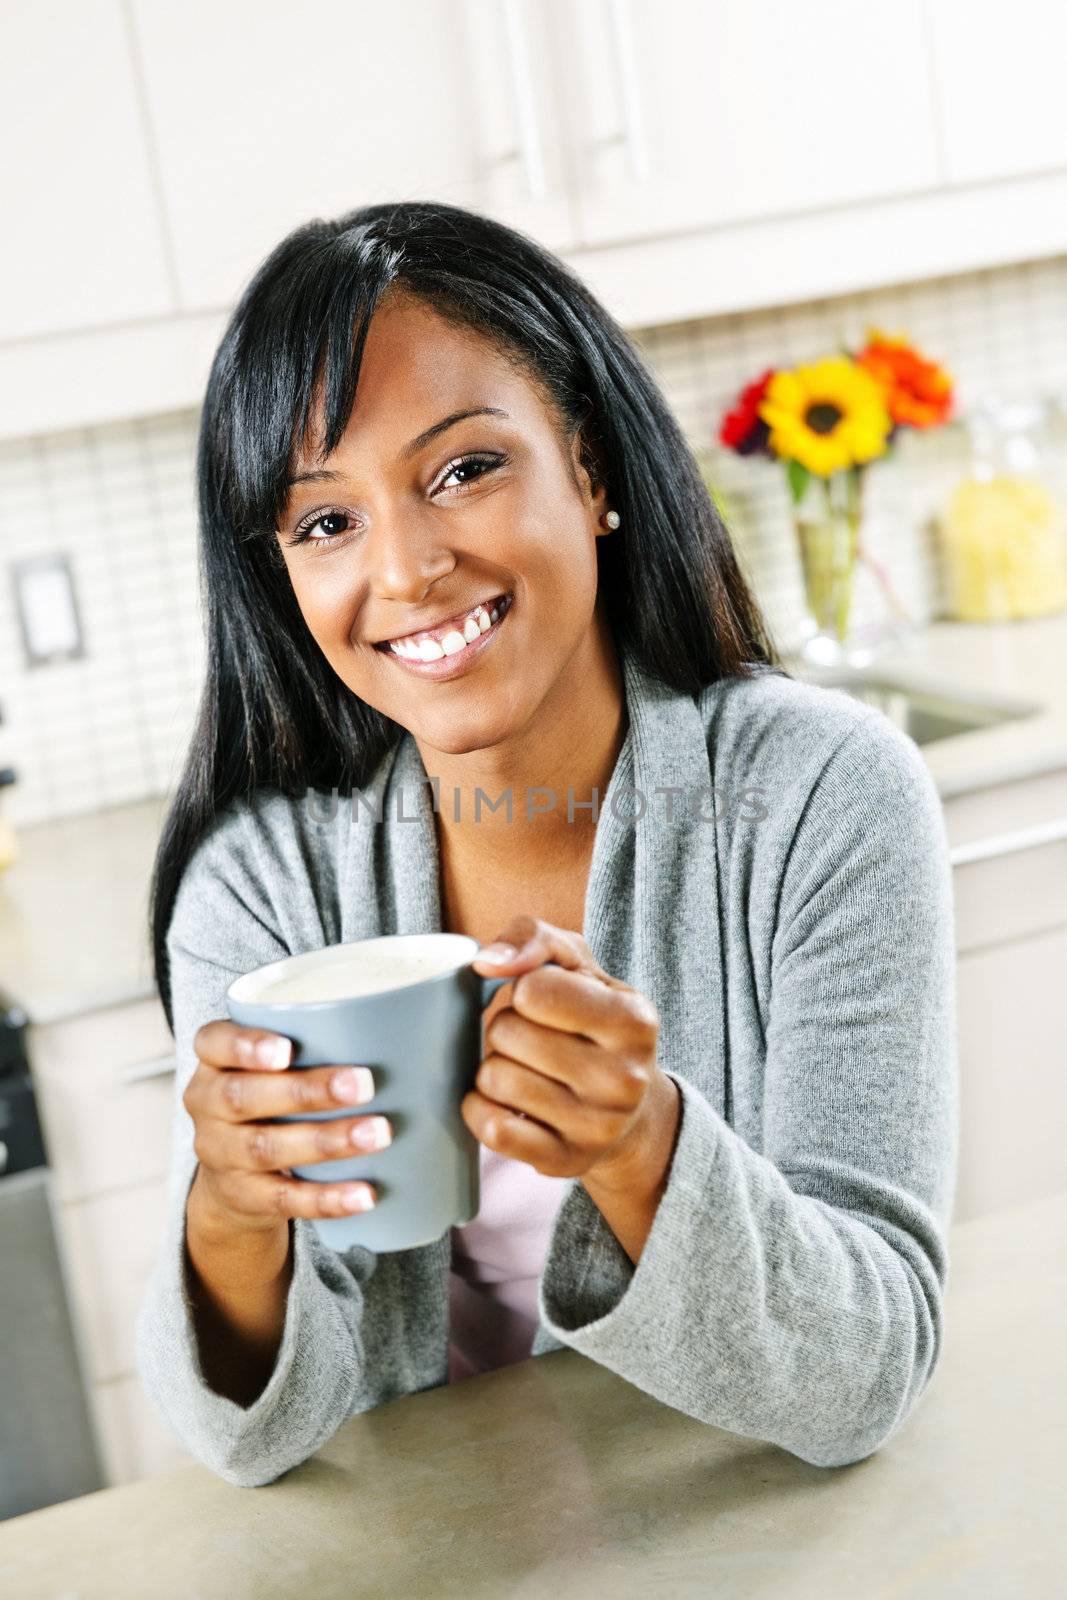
x=73 y=909
x=1025 y=660
x=554 y=1478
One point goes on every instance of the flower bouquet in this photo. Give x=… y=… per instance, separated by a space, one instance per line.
x=826 y=422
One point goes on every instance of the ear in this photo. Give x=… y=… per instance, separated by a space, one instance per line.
x=587 y=459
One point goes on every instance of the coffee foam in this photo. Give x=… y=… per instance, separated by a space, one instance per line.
x=371 y=971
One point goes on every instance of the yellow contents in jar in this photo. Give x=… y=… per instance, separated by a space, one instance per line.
x=1004 y=543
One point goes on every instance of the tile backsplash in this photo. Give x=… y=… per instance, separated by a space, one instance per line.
x=111 y=726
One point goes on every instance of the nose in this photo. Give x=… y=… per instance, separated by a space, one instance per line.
x=404 y=559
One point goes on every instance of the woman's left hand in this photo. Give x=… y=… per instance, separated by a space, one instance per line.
x=569 y=1082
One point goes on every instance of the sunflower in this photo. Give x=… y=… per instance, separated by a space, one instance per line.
x=918 y=392
x=827 y=416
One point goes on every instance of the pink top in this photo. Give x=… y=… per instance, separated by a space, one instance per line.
x=496 y=1264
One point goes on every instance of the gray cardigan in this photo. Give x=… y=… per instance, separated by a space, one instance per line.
x=788 y=908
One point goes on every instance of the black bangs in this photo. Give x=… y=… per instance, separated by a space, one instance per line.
x=297 y=341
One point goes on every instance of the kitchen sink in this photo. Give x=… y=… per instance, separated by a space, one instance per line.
x=922 y=708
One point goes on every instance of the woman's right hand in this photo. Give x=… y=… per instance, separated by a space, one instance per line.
x=240 y=1079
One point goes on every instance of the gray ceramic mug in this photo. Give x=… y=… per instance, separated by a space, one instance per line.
x=421 y=1039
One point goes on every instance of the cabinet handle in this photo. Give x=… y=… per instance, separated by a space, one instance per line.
x=161 y=1067
x=529 y=137
x=1006 y=844
x=633 y=124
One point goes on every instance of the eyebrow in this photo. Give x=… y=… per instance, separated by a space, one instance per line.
x=410 y=449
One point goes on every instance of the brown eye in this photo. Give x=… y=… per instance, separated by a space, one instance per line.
x=332 y=523
x=477 y=466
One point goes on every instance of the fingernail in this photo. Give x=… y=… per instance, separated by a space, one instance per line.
x=357 y=1199
x=355 y=1085
x=276 y=1052
x=497 y=952
x=373 y=1133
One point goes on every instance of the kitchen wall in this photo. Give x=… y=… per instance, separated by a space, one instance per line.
x=111 y=727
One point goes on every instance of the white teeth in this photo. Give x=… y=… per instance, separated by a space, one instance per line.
x=479 y=622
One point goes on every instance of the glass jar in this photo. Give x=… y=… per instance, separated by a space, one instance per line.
x=1003 y=532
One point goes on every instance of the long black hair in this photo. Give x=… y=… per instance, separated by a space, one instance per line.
x=272 y=711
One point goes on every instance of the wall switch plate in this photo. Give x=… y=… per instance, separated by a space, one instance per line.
x=47 y=609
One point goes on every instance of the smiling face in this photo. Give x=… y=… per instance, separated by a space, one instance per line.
x=409 y=524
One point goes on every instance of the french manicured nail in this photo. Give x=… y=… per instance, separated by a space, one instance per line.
x=372 y=1133
x=359 y=1199
x=497 y=952
x=276 y=1052
x=354 y=1085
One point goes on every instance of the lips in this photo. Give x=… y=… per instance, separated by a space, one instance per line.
x=439 y=630
x=440 y=663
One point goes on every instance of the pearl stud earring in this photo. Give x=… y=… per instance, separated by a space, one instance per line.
x=612 y=519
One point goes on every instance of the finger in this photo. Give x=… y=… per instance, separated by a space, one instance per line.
x=589 y=1073
x=534 y=942
x=523 y=1138
x=245 y=1096
x=221 y=1043
x=277 y=1195
x=272 y=1146
x=611 y=1014
x=530 y=1094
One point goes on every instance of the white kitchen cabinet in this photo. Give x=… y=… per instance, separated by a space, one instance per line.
x=111 y=1243
x=108 y=1139
x=266 y=116
x=1009 y=847
x=1013 y=1073
x=101 y=1132
x=689 y=114
x=135 y=1442
x=83 y=240
x=687 y=158
x=999 y=75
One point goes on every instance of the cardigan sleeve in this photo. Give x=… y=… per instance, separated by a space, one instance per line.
x=795 y=1295
x=219 y=929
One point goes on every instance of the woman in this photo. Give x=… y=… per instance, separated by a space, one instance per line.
x=719 y=1146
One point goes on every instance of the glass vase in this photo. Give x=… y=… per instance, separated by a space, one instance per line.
x=827 y=516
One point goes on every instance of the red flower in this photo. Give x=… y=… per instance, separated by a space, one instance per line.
x=743 y=429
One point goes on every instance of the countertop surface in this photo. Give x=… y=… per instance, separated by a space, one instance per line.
x=554 y=1478
x=73 y=908
x=1024 y=661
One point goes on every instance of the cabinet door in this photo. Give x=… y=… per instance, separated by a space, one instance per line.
x=688 y=113
x=110 y=1245
x=1013 y=1086
x=83 y=243
x=269 y=115
x=999 y=81
x=135 y=1442
x=101 y=1130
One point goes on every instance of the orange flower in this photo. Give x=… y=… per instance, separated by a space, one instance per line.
x=918 y=392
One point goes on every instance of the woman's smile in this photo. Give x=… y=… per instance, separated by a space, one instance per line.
x=455 y=657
